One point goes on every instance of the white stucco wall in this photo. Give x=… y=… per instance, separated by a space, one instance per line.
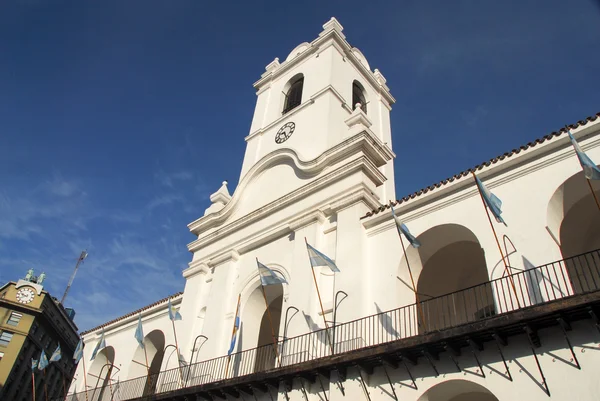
x=318 y=186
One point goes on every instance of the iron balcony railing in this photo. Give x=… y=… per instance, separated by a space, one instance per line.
x=572 y=276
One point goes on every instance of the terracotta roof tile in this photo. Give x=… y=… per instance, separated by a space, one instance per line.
x=480 y=166
x=135 y=312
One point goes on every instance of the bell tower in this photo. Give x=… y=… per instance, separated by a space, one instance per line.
x=316 y=99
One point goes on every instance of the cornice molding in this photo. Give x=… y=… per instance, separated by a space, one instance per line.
x=495 y=175
x=196 y=267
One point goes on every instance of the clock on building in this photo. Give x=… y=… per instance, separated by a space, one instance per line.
x=285 y=132
x=25 y=295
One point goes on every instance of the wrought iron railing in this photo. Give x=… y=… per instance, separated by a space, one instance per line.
x=560 y=279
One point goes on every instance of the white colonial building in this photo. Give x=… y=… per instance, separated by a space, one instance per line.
x=319 y=168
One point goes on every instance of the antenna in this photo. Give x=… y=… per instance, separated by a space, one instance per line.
x=83 y=255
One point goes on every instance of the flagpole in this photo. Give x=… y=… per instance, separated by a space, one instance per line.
x=177 y=349
x=45 y=385
x=319 y=296
x=33 y=384
x=593 y=193
x=506 y=269
x=237 y=309
x=412 y=280
x=64 y=385
x=84 y=378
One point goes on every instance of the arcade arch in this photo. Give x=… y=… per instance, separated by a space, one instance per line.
x=100 y=372
x=449 y=259
x=153 y=353
x=574 y=221
x=458 y=390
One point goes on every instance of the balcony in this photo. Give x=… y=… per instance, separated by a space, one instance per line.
x=522 y=303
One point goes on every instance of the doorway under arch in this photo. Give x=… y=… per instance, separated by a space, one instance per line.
x=257 y=330
x=574 y=221
x=458 y=390
x=452 y=259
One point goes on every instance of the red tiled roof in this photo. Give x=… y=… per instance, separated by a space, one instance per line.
x=135 y=312
x=482 y=165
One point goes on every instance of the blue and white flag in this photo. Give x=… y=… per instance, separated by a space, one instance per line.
x=403 y=230
x=492 y=201
x=268 y=276
x=139 y=332
x=56 y=355
x=101 y=344
x=78 y=354
x=173 y=313
x=43 y=361
x=236 y=327
x=34 y=364
x=590 y=170
x=319 y=259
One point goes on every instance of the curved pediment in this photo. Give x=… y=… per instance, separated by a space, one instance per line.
x=269 y=185
x=275 y=175
x=281 y=176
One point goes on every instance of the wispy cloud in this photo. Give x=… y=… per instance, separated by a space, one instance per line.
x=136 y=251
x=170 y=179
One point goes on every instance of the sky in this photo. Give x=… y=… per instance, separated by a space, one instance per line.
x=118 y=119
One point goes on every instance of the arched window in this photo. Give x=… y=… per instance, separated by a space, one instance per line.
x=358 y=96
x=293 y=97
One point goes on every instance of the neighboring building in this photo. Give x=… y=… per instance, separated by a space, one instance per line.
x=320 y=168
x=32 y=321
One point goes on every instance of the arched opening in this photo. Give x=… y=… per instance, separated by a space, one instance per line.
x=458 y=390
x=452 y=260
x=100 y=372
x=293 y=93
x=147 y=361
x=266 y=357
x=574 y=221
x=358 y=96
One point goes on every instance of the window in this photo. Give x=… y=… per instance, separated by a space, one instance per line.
x=5 y=338
x=293 y=97
x=358 y=96
x=1 y=355
x=14 y=318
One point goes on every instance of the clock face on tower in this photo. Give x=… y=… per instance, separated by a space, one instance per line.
x=25 y=295
x=285 y=132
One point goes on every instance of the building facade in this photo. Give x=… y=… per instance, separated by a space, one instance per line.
x=480 y=311
x=32 y=321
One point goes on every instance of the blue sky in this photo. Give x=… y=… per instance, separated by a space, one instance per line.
x=118 y=119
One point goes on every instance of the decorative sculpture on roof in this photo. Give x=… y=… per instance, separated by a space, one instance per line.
x=29 y=275
x=41 y=278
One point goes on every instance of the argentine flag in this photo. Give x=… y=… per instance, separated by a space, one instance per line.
x=56 y=355
x=173 y=313
x=268 y=276
x=78 y=354
x=319 y=259
x=590 y=170
x=43 y=361
x=236 y=327
x=403 y=230
x=101 y=344
x=492 y=201
x=139 y=332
